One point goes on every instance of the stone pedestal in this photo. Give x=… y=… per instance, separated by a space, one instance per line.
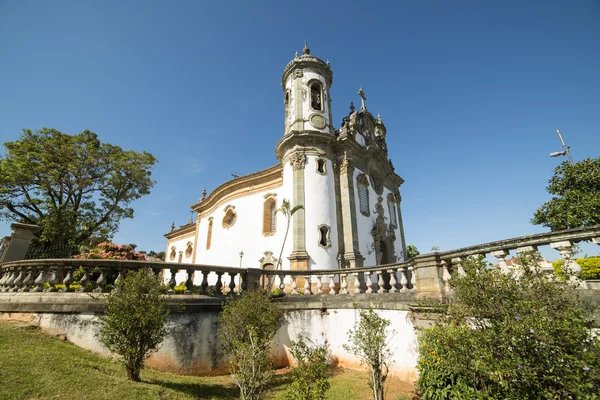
x=19 y=242
x=428 y=276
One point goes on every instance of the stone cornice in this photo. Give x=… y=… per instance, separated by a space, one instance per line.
x=311 y=63
x=269 y=178
x=181 y=231
x=307 y=140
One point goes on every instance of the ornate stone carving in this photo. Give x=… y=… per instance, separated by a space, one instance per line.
x=298 y=73
x=318 y=121
x=268 y=259
x=362 y=180
x=346 y=166
x=298 y=161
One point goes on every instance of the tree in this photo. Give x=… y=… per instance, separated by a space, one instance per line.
x=508 y=338
x=247 y=327
x=411 y=251
x=309 y=378
x=134 y=321
x=73 y=186
x=370 y=342
x=576 y=201
x=287 y=210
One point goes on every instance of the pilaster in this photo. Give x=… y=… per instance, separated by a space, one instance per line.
x=299 y=257
x=428 y=276
x=348 y=205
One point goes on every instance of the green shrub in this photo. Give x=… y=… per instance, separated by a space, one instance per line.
x=309 y=378
x=134 y=321
x=247 y=327
x=506 y=338
x=590 y=267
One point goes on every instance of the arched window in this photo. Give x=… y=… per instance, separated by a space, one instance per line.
x=392 y=204
x=230 y=217
x=321 y=166
x=209 y=235
x=324 y=240
x=173 y=253
x=316 y=97
x=188 y=250
x=269 y=216
x=363 y=194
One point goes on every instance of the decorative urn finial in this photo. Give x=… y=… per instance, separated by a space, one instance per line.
x=305 y=50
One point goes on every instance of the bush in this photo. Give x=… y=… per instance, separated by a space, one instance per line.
x=590 y=267
x=309 y=378
x=506 y=338
x=369 y=341
x=247 y=327
x=134 y=321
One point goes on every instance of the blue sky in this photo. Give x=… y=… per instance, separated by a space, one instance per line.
x=471 y=93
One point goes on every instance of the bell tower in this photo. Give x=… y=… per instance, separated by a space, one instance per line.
x=306 y=86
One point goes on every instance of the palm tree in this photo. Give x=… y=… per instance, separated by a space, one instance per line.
x=288 y=212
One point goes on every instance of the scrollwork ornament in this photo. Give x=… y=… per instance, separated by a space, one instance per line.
x=298 y=161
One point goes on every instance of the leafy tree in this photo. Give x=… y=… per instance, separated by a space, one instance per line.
x=287 y=210
x=247 y=327
x=134 y=321
x=507 y=338
x=576 y=196
x=411 y=251
x=370 y=342
x=74 y=187
x=309 y=378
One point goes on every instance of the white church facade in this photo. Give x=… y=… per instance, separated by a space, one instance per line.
x=341 y=177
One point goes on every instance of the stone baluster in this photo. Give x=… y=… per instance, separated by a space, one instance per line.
x=459 y=265
x=27 y=281
x=319 y=284
x=231 y=283
x=219 y=284
x=381 y=283
x=101 y=281
x=18 y=281
x=369 y=282
x=565 y=248
x=501 y=257
x=393 y=281
x=596 y=240
x=53 y=280
x=10 y=282
x=281 y=283
x=85 y=278
x=410 y=271
x=307 y=285
x=332 y=284
x=172 y=282
x=294 y=285
x=69 y=279
x=240 y=277
x=189 y=282
x=5 y=277
x=204 y=284
x=344 y=283
x=446 y=276
x=40 y=281
x=357 y=289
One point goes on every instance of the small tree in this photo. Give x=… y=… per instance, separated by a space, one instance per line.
x=133 y=324
x=309 y=378
x=287 y=210
x=411 y=251
x=370 y=342
x=247 y=327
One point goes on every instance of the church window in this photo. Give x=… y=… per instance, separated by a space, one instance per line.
x=316 y=97
x=324 y=240
x=269 y=216
x=321 y=166
x=209 y=235
x=172 y=254
x=392 y=209
x=188 y=250
x=363 y=194
x=180 y=259
x=230 y=217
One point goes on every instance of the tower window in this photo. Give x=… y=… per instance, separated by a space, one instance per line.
x=209 y=235
x=189 y=250
x=363 y=194
x=269 y=215
x=321 y=166
x=316 y=97
x=324 y=231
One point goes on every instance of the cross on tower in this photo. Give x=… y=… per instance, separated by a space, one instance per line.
x=363 y=98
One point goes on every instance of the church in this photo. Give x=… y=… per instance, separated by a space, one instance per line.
x=342 y=179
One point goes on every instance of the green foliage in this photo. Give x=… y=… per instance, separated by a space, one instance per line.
x=247 y=327
x=73 y=186
x=134 y=322
x=309 y=378
x=288 y=211
x=576 y=201
x=370 y=342
x=111 y=251
x=590 y=267
x=411 y=251
x=507 y=338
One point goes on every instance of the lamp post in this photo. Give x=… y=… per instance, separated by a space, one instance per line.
x=566 y=148
x=241 y=256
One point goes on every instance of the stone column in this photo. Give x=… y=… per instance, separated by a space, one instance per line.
x=19 y=242
x=348 y=205
x=565 y=249
x=299 y=257
x=501 y=256
x=401 y=225
x=427 y=275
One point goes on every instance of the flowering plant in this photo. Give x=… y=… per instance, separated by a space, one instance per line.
x=112 y=251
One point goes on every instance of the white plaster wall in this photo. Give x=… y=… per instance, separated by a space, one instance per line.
x=180 y=245
x=320 y=209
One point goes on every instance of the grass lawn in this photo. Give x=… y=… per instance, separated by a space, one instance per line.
x=35 y=365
